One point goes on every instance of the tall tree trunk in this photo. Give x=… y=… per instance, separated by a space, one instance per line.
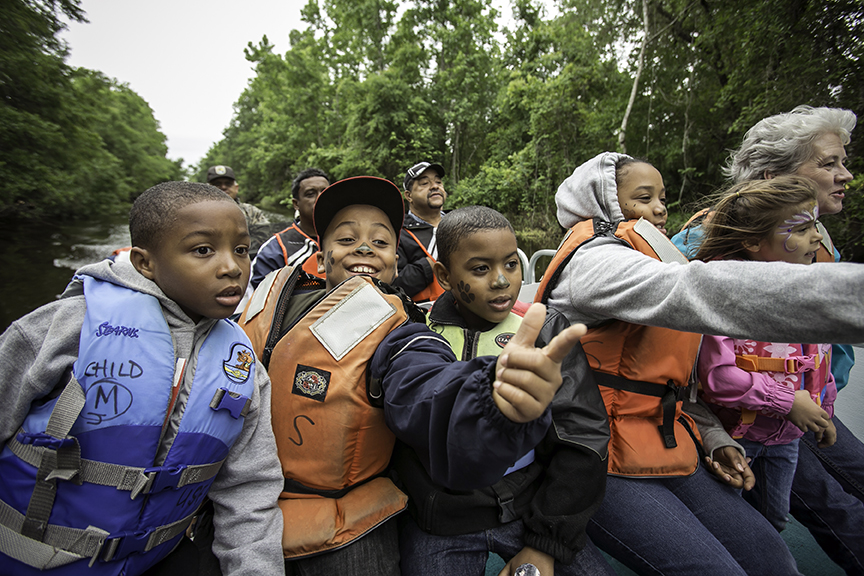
x=622 y=132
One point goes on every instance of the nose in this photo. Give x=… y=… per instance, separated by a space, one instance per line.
x=365 y=249
x=228 y=266
x=844 y=175
x=501 y=282
x=660 y=208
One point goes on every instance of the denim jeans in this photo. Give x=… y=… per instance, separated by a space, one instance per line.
x=374 y=554
x=425 y=554
x=774 y=468
x=685 y=526
x=828 y=496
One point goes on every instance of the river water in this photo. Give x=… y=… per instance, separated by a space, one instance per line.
x=38 y=260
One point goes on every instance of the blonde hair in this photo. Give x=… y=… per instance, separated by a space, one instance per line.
x=749 y=212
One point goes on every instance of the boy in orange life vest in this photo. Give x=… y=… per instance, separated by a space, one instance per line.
x=349 y=366
x=532 y=513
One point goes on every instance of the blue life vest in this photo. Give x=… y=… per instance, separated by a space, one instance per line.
x=126 y=469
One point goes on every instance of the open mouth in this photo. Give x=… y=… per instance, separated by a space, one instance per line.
x=500 y=303
x=363 y=269
x=230 y=296
x=661 y=226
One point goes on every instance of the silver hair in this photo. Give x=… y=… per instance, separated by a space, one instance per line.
x=780 y=144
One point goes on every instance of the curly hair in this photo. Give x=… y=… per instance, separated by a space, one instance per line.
x=780 y=144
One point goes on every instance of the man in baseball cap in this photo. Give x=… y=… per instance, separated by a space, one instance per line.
x=223 y=178
x=425 y=194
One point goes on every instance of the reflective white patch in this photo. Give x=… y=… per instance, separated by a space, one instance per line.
x=351 y=320
x=259 y=297
x=662 y=246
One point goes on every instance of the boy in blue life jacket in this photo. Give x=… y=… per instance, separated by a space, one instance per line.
x=131 y=398
x=354 y=367
x=535 y=512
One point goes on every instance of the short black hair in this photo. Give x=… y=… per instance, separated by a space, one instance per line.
x=155 y=210
x=461 y=223
x=303 y=175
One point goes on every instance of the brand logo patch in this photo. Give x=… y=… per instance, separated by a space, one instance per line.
x=239 y=363
x=503 y=339
x=220 y=170
x=311 y=382
x=105 y=329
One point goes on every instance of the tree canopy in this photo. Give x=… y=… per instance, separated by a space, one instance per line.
x=373 y=86
x=73 y=142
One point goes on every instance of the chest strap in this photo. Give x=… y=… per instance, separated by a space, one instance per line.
x=63 y=545
x=789 y=365
x=669 y=395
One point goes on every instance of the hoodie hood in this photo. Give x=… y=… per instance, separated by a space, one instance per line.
x=125 y=275
x=590 y=192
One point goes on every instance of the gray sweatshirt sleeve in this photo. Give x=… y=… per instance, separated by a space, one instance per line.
x=247 y=520
x=36 y=355
x=771 y=301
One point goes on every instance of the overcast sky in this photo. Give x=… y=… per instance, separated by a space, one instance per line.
x=184 y=57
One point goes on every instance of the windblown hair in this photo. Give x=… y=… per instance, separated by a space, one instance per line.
x=752 y=211
x=780 y=144
x=457 y=225
x=303 y=175
x=155 y=210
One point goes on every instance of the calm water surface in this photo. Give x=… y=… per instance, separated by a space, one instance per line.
x=38 y=260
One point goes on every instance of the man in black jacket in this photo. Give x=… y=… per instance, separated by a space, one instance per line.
x=425 y=194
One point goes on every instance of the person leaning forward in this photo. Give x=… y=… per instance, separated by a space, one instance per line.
x=354 y=367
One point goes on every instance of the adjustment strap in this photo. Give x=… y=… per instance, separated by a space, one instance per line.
x=668 y=394
x=506 y=507
x=127 y=478
x=236 y=404
x=61 y=458
x=790 y=365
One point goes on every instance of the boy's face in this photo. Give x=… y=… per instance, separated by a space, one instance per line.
x=359 y=240
x=202 y=261
x=641 y=194
x=484 y=276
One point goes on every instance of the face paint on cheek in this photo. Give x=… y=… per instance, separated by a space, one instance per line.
x=465 y=292
x=330 y=262
x=803 y=217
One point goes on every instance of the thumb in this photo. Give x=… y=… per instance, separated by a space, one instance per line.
x=529 y=329
x=563 y=342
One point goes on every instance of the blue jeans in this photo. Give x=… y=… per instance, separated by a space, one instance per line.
x=684 y=526
x=774 y=467
x=828 y=496
x=425 y=554
x=375 y=554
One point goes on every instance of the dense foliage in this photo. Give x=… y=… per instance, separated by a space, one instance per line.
x=371 y=86
x=73 y=143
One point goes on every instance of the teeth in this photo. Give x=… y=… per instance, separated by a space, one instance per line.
x=363 y=270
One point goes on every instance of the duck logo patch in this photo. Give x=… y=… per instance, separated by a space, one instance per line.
x=503 y=339
x=311 y=382
x=239 y=363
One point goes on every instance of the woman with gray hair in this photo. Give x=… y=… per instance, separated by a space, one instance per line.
x=828 y=489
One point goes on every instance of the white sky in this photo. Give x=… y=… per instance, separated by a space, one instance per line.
x=185 y=57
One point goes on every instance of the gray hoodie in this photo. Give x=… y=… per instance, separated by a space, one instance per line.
x=767 y=301
x=36 y=356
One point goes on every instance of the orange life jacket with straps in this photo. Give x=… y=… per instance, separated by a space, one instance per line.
x=310 y=264
x=433 y=290
x=642 y=371
x=331 y=436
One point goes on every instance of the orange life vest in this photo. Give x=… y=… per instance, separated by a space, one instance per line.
x=310 y=265
x=642 y=371
x=332 y=440
x=431 y=292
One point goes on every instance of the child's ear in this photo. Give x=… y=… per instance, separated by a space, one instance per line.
x=752 y=245
x=442 y=274
x=142 y=260
x=320 y=256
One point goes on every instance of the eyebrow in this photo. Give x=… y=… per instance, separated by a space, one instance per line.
x=355 y=222
x=209 y=233
x=490 y=259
